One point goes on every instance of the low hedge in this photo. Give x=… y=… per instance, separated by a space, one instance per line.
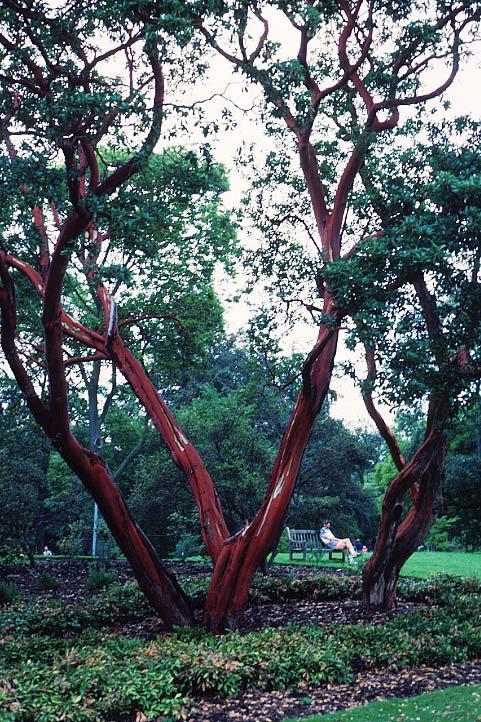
x=96 y=676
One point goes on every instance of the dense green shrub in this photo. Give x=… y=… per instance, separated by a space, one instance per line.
x=8 y=593
x=95 y=675
x=117 y=605
x=61 y=669
x=319 y=587
x=12 y=554
x=47 y=581
x=100 y=578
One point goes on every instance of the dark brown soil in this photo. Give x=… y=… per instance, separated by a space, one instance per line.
x=255 y=706
x=71 y=575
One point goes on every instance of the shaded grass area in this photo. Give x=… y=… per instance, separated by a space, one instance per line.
x=64 y=659
x=456 y=704
x=420 y=565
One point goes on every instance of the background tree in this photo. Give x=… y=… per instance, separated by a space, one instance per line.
x=233 y=413
x=24 y=486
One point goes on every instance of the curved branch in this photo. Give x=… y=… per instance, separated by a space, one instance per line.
x=8 y=333
x=125 y=171
x=381 y=425
x=255 y=54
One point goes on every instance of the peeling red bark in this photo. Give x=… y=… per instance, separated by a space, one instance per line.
x=213 y=527
x=243 y=553
x=159 y=586
x=397 y=539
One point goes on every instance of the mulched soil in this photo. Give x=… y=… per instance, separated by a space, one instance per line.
x=72 y=577
x=279 y=615
x=255 y=706
x=347 y=611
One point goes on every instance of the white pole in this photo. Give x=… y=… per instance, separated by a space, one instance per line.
x=94 y=530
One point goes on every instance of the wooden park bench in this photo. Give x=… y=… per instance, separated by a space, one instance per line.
x=308 y=542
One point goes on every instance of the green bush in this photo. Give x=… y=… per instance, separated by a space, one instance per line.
x=97 y=675
x=319 y=587
x=100 y=578
x=116 y=605
x=12 y=554
x=8 y=593
x=63 y=666
x=47 y=581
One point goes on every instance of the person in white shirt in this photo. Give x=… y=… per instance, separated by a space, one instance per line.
x=332 y=543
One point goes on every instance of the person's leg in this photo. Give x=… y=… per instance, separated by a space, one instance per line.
x=346 y=544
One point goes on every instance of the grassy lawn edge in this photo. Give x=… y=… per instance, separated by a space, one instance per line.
x=453 y=704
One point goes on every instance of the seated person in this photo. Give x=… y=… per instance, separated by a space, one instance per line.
x=333 y=544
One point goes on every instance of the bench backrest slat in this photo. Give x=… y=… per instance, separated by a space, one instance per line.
x=302 y=537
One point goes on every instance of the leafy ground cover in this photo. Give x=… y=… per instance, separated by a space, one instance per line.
x=76 y=658
x=421 y=565
x=448 y=705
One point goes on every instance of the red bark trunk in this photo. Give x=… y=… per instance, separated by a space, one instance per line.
x=242 y=554
x=397 y=540
x=213 y=527
x=160 y=587
x=157 y=584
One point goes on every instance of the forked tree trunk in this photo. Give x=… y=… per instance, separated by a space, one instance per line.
x=397 y=539
x=243 y=553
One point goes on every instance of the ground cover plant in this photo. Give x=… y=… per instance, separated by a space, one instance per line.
x=78 y=659
x=451 y=705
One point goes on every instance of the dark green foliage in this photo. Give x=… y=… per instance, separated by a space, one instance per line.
x=427 y=200
x=100 y=578
x=458 y=527
x=98 y=674
x=24 y=485
x=8 y=593
x=47 y=581
x=321 y=587
x=235 y=417
x=331 y=482
x=117 y=604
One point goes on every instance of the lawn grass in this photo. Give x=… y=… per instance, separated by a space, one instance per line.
x=421 y=565
x=456 y=704
x=461 y=564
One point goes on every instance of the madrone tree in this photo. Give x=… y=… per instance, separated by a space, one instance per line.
x=357 y=65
